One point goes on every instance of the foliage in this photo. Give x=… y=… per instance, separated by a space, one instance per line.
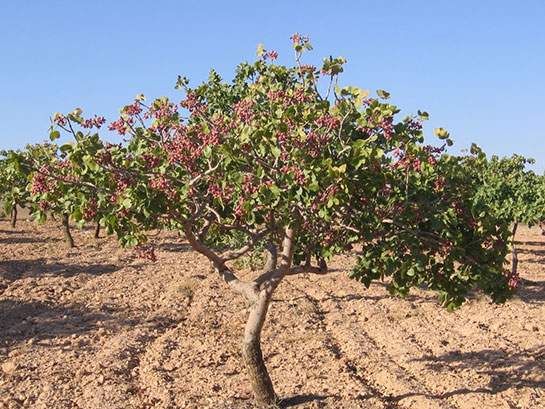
x=268 y=152
x=55 y=188
x=13 y=180
x=515 y=194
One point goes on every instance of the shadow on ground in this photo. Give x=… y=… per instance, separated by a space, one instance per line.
x=15 y=269
x=506 y=370
x=42 y=321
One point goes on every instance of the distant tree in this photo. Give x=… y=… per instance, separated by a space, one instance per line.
x=13 y=182
x=515 y=195
x=56 y=189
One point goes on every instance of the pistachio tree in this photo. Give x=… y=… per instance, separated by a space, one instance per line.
x=516 y=195
x=56 y=188
x=13 y=182
x=287 y=160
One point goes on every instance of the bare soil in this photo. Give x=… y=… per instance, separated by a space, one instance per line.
x=95 y=327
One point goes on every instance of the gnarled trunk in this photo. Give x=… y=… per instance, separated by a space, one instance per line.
x=260 y=381
x=13 y=216
x=66 y=230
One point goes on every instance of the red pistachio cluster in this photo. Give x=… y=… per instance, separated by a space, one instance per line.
x=151 y=160
x=222 y=193
x=298 y=173
x=243 y=111
x=95 y=122
x=44 y=205
x=159 y=182
x=270 y=55
x=39 y=183
x=323 y=197
x=513 y=279
x=90 y=210
x=147 y=253
x=328 y=121
x=121 y=125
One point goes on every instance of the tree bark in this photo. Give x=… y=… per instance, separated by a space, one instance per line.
x=66 y=230
x=13 y=216
x=260 y=381
x=97 y=231
x=514 y=264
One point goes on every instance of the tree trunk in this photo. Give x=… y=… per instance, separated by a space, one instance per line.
x=97 y=231
x=515 y=261
x=66 y=230
x=260 y=381
x=13 y=216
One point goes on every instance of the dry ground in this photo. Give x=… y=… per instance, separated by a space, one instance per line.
x=97 y=328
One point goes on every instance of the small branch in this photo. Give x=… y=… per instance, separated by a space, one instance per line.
x=254 y=238
x=249 y=290
x=307 y=269
x=196 y=215
x=206 y=227
x=76 y=183
x=201 y=247
x=215 y=213
x=407 y=188
x=272 y=278
x=206 y=173
x=329 y=87
x=341 y=126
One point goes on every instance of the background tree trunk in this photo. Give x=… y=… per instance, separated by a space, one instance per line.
x=13 y=216
x=262 y=386
x=66 y=230
x=97 y=231
x=514 y=264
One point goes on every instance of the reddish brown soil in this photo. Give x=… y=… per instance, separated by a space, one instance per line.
x=95 y=327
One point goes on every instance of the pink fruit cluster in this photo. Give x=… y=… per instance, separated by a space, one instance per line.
x=297 y=172
x=44 y=205
x=323 y=197
x=222 y=193
x=239 y=210
x=248 y=184
x=271 y=55
x=243 y=111
x=90 y=210
x=120 y=125
x=39 y=181
x=328 y=122
x=96 y=122
x=147 y=253
x=151 y=160
x=513 y=279
x=159 y=182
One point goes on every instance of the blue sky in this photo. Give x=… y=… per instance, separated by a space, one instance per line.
x=478 y=67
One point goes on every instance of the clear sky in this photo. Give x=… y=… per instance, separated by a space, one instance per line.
x=478 y=67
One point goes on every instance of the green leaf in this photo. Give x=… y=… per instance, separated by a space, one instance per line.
x=275 y=190
x=423 y=115
x=383 y=94
x=67 y=147
x=441 y=133
x=181 y=83
x=275 y=151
